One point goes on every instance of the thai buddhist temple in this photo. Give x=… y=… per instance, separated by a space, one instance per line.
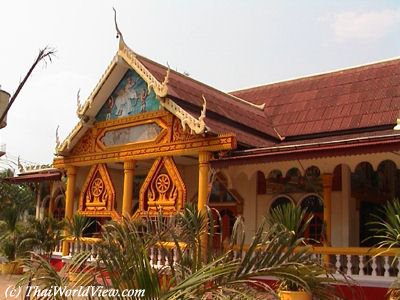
x=150 y=139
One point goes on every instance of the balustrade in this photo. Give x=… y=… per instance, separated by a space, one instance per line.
x=357 y=263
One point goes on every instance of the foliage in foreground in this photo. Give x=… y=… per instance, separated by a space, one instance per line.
x=386 y=228
x=199 y=273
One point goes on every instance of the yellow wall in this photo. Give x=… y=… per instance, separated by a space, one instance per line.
x=117 y=178
x=81 y=175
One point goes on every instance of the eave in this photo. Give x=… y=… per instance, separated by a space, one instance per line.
x=340 y=147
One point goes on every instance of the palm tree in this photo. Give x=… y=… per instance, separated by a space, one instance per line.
x=13 y=233
x=46 y=235
x=386 y=229
x=124 y=261
x=76 y=227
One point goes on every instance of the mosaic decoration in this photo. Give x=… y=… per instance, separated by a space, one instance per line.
x=163 y=189
x=134 y=134
x=130 y=97
x=98 y=196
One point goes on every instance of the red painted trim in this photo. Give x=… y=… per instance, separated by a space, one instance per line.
x=309 y=151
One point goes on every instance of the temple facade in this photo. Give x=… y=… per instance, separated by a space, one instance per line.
x=150 y=139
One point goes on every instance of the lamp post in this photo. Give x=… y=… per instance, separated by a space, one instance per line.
x=4 y=98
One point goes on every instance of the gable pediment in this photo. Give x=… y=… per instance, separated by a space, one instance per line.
x=126 y=89
x=130 y=97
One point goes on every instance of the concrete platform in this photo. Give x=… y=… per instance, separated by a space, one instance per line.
x=7 y=282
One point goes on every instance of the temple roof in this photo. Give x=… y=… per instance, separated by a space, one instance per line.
x=39 y=175
x=225 y=112
x=182 y=96
x=356 y=98
x=359 y=100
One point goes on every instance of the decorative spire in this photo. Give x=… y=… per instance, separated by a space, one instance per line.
x=21 y=168
x=119 y=33
x=78 y=103
x=203 y=111
x=58 y=143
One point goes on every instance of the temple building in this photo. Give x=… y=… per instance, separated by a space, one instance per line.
x=149 y=139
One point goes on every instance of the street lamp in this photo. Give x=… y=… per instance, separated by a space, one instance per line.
x=4 y=98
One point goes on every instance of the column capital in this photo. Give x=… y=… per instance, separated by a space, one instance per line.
x=71 y=170
x=129 y=164
x=204 y=157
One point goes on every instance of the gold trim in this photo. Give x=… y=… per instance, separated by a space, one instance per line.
x=90 y=203
x=132 y=119
x=190 y=147
x=161 y=89
x=196 y=126
x=157 y=139
x=163 y=189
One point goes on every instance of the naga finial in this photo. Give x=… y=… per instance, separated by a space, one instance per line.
x=203 y=111
x=21 y=168
x=57 y=137
x=78 y=103
x=166 y=78
x=119 y=33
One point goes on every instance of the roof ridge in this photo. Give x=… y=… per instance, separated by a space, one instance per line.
x=318 y=74
x=259 y=107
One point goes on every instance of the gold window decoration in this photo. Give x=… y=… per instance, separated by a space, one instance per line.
x=135 y=134
x=163 y=189
x=98 y=194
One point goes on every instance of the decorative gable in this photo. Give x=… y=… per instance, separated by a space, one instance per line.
x=98 y=195
x=132 y=96
x=163 y=189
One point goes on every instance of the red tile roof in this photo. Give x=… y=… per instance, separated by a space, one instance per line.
x=225 y=113
x=351 y=99
x=34 y=177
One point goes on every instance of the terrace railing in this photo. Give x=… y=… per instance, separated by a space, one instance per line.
x=87 y=244
x=369 y=267
x=373 y=267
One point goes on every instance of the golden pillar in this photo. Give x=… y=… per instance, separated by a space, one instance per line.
x=69 y=200
x=327 y=185
x=127 y=199
x=204 y=158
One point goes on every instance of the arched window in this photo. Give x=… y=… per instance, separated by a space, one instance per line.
x=275 y=182
x=314 y=205
x=59 y=207
x=228 y=203
x=220 y=192
x=261 y=183
x=313 y=180
x=280 y=201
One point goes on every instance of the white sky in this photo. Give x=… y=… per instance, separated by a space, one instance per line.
x=227 y=44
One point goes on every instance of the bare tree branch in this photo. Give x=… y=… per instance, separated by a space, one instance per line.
x=44 y=54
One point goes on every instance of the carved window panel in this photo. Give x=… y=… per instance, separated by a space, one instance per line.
x=98 y=194
x=136 y=134
x=163 y=189
x=151 y=132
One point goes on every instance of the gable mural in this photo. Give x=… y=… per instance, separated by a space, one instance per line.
x=130 y=97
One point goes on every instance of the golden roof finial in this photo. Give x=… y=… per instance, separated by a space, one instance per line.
x=58 y=142
x=78 y=103
x=166 y=78
x=119 y=33
x=203 y=111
